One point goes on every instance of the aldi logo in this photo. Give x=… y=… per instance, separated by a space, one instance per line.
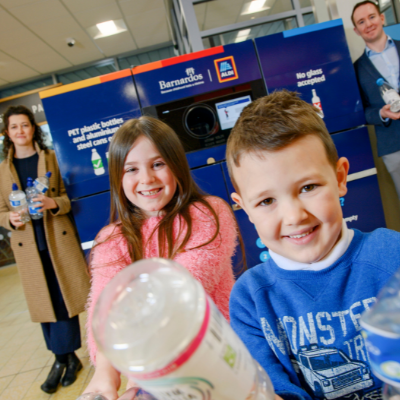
x=226 y=69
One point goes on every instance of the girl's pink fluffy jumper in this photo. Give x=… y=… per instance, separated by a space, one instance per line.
x=211 y=265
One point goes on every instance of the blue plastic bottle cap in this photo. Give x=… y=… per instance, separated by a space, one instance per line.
x=380 y=82
x=14 y=186
x=48 y=174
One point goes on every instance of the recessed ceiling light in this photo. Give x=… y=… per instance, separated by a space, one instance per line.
x=107 y=28
x=254 y=7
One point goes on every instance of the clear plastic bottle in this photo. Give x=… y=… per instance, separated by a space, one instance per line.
x=31 y=193
x=381 y=332
x=42 y=183
x=18 y=203
x=389 y=95
x=156 y=324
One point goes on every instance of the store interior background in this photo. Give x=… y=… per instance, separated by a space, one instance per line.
x=35 y=54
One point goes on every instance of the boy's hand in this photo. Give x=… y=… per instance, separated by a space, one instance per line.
x=278 y=397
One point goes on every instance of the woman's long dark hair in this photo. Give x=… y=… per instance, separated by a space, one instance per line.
x=130 y=218
x=18 y=110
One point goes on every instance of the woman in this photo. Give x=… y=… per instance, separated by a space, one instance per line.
x=47 y=252
x=158 y=211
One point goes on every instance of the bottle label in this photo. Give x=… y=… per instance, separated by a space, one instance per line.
x=40 y=187
x=33 y=210
x=384 y=354
x=390 y=96
x=319 y=106
x=230 y=374
x=15 y=203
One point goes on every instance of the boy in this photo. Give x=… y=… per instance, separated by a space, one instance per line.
x=298 y=313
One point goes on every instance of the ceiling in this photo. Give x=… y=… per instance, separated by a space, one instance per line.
x=34 y=33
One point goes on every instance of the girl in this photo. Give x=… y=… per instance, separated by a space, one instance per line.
x=48 y=254
x=158 y=211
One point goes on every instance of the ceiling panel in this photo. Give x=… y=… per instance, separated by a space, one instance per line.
x=1 y=80
x=78 y=5
x=16 y=37
x=152 y=40
x=15 y=3
x=11 y=70
x=47 y=62
x=93 y=16
x=8 y=22
x=28 y=49
x=116 y=44
x=148 y=23
x=134 y=7
x=39 y=11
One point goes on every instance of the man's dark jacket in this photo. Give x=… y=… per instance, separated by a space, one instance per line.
x=388 y=134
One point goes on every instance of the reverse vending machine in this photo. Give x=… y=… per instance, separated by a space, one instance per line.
x=201 y=95
x=83 y=117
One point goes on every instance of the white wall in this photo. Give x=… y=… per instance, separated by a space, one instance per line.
x=356 y=44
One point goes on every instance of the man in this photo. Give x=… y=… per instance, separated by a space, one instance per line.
x=379 y=60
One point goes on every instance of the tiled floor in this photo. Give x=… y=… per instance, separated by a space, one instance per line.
x=24 y=358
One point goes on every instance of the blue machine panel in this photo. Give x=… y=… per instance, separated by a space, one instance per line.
x=82 y=119
x=301 y=60
x=211 y=180
x=355 y=146
x=91 y=215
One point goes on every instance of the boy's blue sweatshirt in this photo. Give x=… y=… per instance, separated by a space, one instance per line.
x=303 y=326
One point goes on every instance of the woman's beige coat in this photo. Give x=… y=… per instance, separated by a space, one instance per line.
x=62 y=241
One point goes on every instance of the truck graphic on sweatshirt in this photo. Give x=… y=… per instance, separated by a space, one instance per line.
x=330 y=373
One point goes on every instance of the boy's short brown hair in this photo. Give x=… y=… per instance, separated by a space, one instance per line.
x=273 y=122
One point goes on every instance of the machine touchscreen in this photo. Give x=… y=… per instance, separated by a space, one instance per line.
x=229 y=111
x=205 y=121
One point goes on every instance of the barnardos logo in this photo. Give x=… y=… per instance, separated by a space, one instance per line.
x=191 y=77
x=226 y=69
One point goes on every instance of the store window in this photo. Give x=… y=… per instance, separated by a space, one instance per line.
x=26 y=87
x=144 y=58
x=387 y=8
x=219 y=13
x=241 y=35
x=309 y=19
x=86 y=73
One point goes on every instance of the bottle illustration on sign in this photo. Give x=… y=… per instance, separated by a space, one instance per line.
x=316 y=101
x=97 y=163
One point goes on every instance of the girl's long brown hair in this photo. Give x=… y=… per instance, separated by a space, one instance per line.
x=130 y=218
